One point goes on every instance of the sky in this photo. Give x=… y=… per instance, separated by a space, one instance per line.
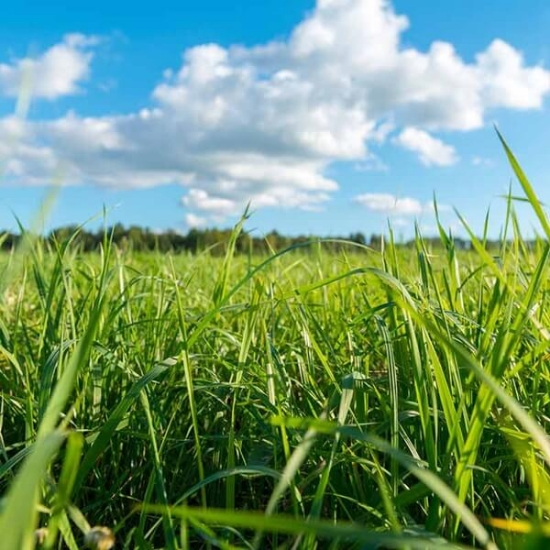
x=327 y=117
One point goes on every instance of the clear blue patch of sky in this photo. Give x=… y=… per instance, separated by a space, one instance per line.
x=471 y=25
x=156 y=208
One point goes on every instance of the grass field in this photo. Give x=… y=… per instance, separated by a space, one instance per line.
x=393 y=399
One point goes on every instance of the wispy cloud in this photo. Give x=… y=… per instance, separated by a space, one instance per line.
x=371 y=163
x=482 y=161
x=386 y=203
x=195 y=222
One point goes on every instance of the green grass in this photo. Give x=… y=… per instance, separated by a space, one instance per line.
x=393 y=399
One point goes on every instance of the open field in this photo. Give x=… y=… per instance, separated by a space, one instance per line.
x=393 y=399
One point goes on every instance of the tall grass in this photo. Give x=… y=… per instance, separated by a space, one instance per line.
x=393 y=399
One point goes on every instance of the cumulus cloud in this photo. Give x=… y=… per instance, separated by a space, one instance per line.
x=431 y=151
x=506 y=80
x=482 y=161
x=200 y=200
x=261 y=124
x=55 y=73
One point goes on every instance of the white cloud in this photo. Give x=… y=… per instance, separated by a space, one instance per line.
x=371 y=163
x=390 y=204
x=261 y=124
x=507 y=83
x=199 y=199
x=195 y=222
x=55 y=73
x=386 y=203
x=482 y=161
x=431 y=151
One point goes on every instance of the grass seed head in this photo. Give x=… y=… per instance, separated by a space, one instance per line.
x=40 y=535
x=99 y=538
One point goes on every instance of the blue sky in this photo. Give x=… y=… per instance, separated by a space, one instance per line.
x=329 y=117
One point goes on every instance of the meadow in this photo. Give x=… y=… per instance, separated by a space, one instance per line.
x=298 y=400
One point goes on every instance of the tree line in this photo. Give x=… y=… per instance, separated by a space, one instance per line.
x=197 y=240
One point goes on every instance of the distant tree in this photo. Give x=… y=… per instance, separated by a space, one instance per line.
x=375 y=241
x=216 y=240
x=358 y=238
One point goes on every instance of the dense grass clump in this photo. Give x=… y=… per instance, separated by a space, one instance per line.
x=306 y=399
